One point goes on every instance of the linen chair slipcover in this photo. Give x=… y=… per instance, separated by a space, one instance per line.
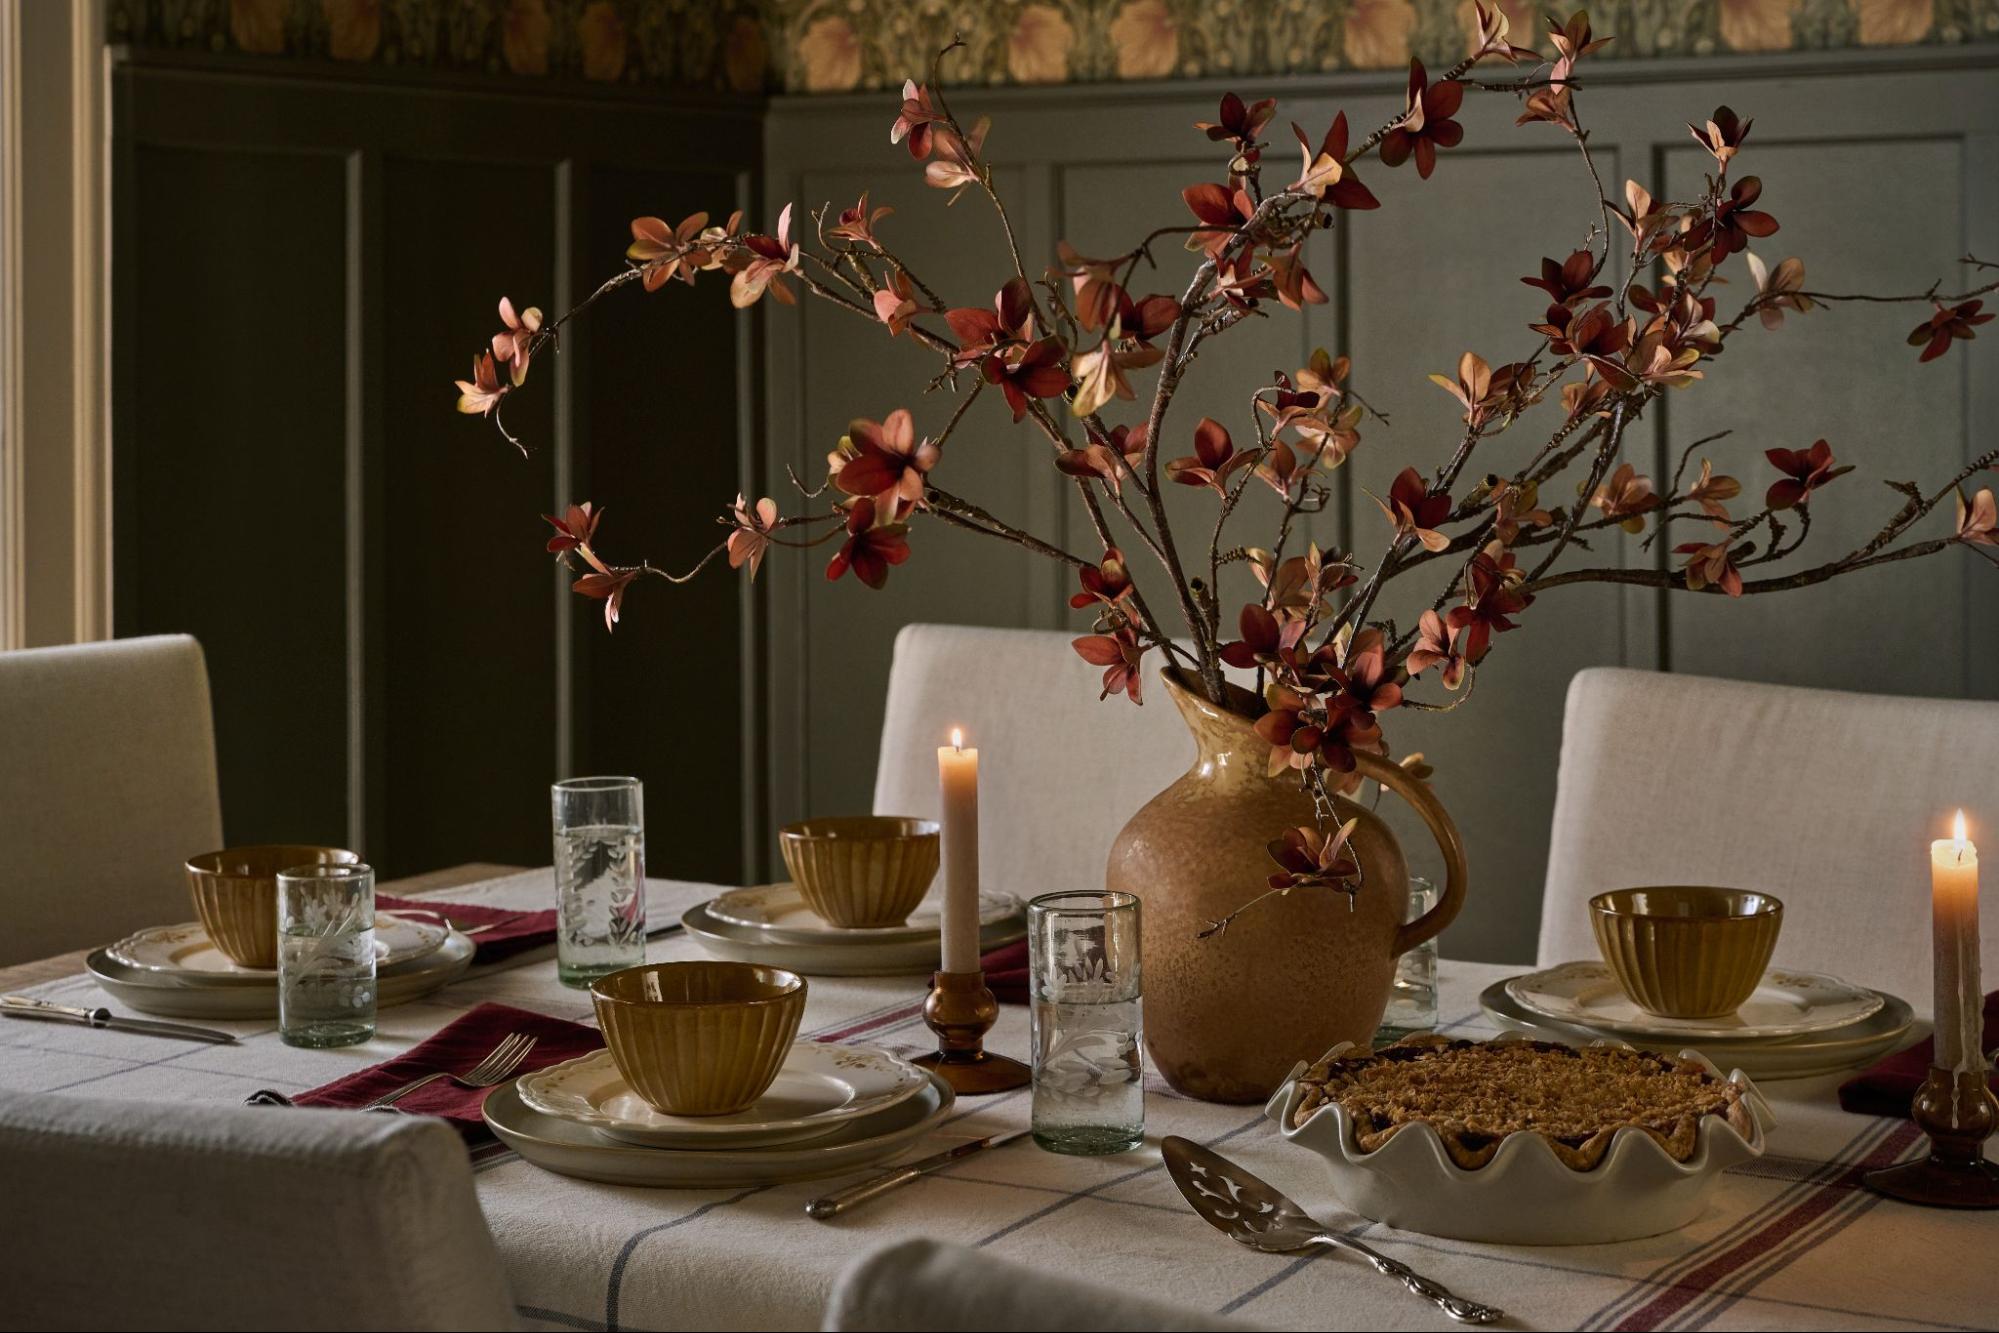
x=128 y=1214
x=1060 y=771
x=921 y=1285
x=107 y=786
x=1827 y=799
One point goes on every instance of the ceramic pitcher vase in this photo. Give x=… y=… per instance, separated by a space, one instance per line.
x=1226 y=1017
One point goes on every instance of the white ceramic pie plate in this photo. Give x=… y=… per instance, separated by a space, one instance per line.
x=1524 y=1195
x=779 y=911
x=187 y=995
x=820 y=1088
x=1807 y=1056
x=570 y=1149
x=175 y=951
x=1785 y=1004
x=846 y=958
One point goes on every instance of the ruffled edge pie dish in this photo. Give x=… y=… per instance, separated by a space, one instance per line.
x=1520 y=1184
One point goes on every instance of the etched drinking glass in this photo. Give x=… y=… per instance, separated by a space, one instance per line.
x=600 y=900
x=1089 y=1066
x=1412 y=1002
x=326 y=955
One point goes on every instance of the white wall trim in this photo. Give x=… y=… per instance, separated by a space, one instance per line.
x=90 y=324
x=13 y=536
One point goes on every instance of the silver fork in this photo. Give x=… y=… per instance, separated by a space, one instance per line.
x=498 y=1066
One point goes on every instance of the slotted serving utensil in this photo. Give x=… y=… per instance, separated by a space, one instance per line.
x=499 y=1065
x=1253 y=1213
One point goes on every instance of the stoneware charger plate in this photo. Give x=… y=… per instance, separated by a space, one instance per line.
x=1767 y=1058
x=820 y=1088
x=186 y=948
x=1785 y=1003
x=193 y=995
x=780 y=911
x=840 y=957
x=570 y=1149
x=1525 y=1195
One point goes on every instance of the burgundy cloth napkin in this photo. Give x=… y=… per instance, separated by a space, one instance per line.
x=1006 y=972
x=458 y=1046
x=1889 y=1087
x=512 y=931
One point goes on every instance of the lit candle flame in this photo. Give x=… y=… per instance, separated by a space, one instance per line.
x=1957 y=834
x=958 y=743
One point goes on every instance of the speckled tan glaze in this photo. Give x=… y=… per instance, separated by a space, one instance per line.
x=1227 y=1017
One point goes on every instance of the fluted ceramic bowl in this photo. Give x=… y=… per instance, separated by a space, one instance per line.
x=699 y=1038
x=1525 y=1195
x=236 y=895
x=862 y=871
x=1686 y=952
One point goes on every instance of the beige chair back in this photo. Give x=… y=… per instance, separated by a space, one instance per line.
x=1826 y=799
x=1060 y=771
x=107 y=786
x=126 y=1214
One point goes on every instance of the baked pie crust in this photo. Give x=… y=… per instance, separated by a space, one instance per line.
x=1476 y=1094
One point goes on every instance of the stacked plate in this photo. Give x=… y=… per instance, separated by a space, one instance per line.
x=832 y=1109
x=771 y=924
x=1795 y=1025
x=177 y=970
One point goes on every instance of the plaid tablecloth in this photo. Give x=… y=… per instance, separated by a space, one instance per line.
x=1788 y=1242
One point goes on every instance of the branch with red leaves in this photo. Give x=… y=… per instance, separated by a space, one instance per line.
x=1066 y=352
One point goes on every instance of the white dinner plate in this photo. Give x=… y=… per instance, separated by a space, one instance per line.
x=185 y=951
x=1784 y=1004
x=570 y=1149
x=1833 y=1050
x=176 y=996
x=779 y=911
x=820 y=1088
x=869 y=958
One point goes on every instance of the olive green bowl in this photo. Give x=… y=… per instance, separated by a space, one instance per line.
x=235 y=894
x=862 y=871
x=699 y=1038
x=1685 y=951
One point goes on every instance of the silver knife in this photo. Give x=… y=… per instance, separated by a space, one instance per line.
x=830 y=1206
x=21 y=1006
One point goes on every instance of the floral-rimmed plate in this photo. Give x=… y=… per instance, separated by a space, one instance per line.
x=1785 y=1004
x=570 y=1149
x=1765 y=1059
x=1525 y=1195
x=821 y=1087
x=185 y=951
x=779 y=910
x=190 y=995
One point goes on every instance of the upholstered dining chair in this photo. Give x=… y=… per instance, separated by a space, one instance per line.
x=1828 y=800
x=128 y=1214
x=920 y=1285
x=107 y=786
x=1053 y=757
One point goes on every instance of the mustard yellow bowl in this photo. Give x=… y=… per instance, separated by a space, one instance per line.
x=1686 y=952
x=236 y=895
x=699 y=1038
x=862 y=871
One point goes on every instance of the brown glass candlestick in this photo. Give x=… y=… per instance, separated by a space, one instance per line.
x=960 y=1010
x=1958 y=1113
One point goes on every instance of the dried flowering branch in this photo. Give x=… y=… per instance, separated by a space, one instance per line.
x=1067 y=350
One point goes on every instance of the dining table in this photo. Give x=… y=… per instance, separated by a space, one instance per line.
x=1788 y=1240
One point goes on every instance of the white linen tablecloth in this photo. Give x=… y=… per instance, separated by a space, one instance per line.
x=1789 y=1240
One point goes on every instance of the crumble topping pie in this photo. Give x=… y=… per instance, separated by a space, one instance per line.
x=1476 y=1094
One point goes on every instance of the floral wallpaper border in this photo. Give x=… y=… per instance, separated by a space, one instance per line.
x=826 y=46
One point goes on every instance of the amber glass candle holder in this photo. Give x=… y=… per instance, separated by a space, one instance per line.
x=1958 y=1113
x=960 y=1010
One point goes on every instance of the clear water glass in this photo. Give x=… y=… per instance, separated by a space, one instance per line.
x=1412 y=1003
x=600 y=875
x=1089 y=1066
x=326 y=955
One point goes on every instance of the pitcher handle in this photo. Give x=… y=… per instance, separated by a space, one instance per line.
x=1418 y=794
